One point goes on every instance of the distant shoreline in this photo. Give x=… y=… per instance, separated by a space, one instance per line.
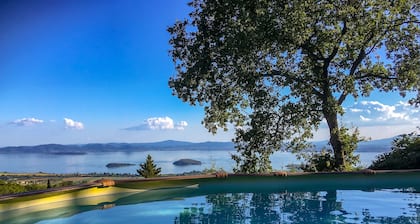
x=383 y=145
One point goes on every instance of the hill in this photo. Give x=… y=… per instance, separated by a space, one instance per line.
x=382 y=145
x=117 y=147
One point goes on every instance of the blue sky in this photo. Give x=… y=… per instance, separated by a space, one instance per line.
x=97 y=71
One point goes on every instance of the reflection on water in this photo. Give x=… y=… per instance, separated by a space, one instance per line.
x=305 y=207
x=318 y=198
x=333 y=206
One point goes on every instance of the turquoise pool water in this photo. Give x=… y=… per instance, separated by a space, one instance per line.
x=341 y=206
x=390 y=198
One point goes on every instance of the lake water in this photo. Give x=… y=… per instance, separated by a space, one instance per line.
x=96 y=162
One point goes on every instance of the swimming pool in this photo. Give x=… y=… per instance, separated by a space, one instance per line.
x=332 y=198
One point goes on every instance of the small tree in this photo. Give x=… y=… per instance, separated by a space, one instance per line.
x=148 y=168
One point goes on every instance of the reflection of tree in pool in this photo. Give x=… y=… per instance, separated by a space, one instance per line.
x=220 y=208
x=287 y=207
x=368 y=218
x=263 y=208
x=312 y=207
x=259 y=208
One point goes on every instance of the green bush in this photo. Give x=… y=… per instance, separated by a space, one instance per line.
x=66 y=183
x=324 y=160
x=405 y=154
x=319 y=162
x=13 y=188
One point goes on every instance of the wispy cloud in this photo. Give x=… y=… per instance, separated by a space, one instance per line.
x=159 y=123
x=355 y=110
x=364 y=118
x=377 y=113
x=181 y=125
x=71 y=124
x=27 y=121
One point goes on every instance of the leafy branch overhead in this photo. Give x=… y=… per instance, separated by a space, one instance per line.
x=276 y=69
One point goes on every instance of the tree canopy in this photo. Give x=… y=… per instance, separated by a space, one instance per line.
x=275 y=69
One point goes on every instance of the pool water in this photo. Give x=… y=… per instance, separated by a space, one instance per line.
x=341 y=206
x=321 y=199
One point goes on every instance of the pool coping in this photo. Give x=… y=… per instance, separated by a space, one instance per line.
x=8 y=197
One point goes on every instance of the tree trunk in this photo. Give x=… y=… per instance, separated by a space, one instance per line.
x=335 y=141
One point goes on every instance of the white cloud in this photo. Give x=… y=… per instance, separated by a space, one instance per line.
x=27 y=121
x=387 y=111
x=159 y=123
x=355 y=110
x=181 y=125
x=364 y=118
x=378 y=113
x=71 y=124
x=405 y=104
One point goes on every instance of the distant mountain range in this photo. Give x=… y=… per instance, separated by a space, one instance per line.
x=382 y=145
x=117 y=147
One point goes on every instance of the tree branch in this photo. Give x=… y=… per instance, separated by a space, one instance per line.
x=337 y=46
x=292 y=78
x=309 y=49
x=342 y=98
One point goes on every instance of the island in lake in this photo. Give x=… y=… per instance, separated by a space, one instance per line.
x=117 y=165
x=186 y=162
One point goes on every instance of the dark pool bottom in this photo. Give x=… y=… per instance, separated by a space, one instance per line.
x=332 y=198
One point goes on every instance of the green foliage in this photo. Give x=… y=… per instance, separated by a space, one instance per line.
x=66 y=183
x=324 y=160
x=350 y=141
x=319 y=161
x=275 y=69
x=148 y=168
x=212 y=169
x=13 y=188
x=405 y=154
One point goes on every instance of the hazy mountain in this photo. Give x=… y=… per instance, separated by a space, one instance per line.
x=382 y=145
x=117 y=147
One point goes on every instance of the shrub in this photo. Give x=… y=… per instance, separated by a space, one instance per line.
x=319 y=161
x=324 y=160
x=405 y=154
x=13 y=188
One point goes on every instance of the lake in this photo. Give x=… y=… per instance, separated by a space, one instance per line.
x=96 y=162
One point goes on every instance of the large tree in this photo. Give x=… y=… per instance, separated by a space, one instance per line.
x=276 y=68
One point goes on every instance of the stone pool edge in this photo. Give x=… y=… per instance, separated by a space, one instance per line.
x=5 y=199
